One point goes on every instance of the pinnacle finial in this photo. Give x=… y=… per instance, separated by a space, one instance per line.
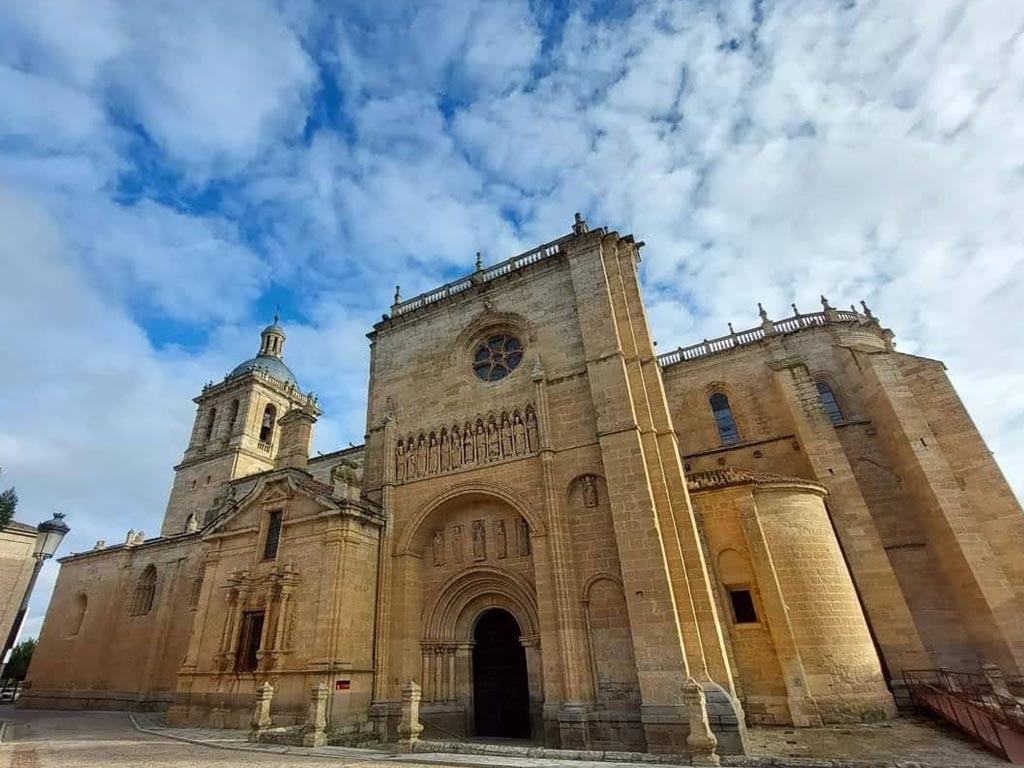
x=824 y=303
x=398 y=294
x=761 y=312
x=731 y=331
x=867 y=310
x=795 y=310
x=479 y=262
x=277 y=313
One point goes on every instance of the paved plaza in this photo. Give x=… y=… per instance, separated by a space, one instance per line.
x=40 y=739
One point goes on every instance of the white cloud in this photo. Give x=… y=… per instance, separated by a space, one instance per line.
x=212 y=83
x=763 y=151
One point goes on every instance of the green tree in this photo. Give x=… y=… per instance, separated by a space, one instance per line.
x=8 y=501
x=17 y=667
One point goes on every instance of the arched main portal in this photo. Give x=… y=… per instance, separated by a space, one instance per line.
x=501 y=694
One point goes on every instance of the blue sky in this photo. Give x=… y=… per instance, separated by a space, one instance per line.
x=171 y=172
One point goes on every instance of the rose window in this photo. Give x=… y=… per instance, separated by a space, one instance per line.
x=497 y=357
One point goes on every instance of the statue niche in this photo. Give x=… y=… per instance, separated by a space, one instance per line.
x=503 y=436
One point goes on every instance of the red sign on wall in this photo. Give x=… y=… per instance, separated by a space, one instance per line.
x=342 y=685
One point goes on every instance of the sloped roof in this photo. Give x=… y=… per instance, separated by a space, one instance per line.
x=17 y=527
x=731 y=476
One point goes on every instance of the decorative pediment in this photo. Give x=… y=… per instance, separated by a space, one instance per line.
x=284 y=487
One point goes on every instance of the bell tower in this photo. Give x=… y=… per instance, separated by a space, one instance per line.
x=236 y=431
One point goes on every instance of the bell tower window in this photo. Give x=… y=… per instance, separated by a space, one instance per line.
x=210 y=423
x=267 y=427
x=234 y=416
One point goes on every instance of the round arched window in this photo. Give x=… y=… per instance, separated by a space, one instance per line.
x=497 y=357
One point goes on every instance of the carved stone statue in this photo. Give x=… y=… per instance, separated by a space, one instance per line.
x=457 y=543
x=506 y=438
x=432 y=456
x=446 y=453
x=523 y=537
x=192 y=523
x=421 y=457
x=456 y=449
x=439 y=546
x=519 y=435
x=532 y=438
x=480 y=443
x=400 y=463
x=410 y=461
x=479 y=540
x=500 y=542
x=493 y=442
x=589 y=491
x=469 y=454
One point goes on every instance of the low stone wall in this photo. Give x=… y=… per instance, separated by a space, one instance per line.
x=131 y=701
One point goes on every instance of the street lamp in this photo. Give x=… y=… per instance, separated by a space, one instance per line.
x=50 y=533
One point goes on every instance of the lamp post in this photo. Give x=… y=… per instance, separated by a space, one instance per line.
x=50 y=533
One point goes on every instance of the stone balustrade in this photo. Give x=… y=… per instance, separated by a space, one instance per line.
x=733 y=339
x=482 y=275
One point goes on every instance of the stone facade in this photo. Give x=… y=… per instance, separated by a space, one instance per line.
x=17 y=541
x=556 y=533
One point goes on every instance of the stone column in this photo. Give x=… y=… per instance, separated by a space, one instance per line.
x=426 y=674
x=437 y=688
x=451 y=690
x=566 y=602
x=802 y=706
x=409 y=728
x=535 y=681
x=314 y=734
x=978 y=583
x=661 y=658
x=879 y=589
x=382 y=625
x=261 y=711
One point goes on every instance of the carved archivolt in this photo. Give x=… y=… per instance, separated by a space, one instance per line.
x=452 y=613
x=464 y=492
x=484 y=440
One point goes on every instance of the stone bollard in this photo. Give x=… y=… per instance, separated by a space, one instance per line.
x=702 y=741
x=261 y=711
x=315 y=731
x=409 y=728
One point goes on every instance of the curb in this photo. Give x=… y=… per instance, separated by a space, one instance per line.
x=269 y=749
x=434 y=757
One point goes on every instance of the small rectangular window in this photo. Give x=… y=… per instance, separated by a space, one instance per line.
x=249 y=641
x=273 y=536
x=743 y=606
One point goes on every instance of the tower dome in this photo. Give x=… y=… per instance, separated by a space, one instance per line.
x=270 y=357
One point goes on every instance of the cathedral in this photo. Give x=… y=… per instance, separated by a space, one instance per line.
x=557 y=532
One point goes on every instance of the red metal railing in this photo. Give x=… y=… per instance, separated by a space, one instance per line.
x=967 y=701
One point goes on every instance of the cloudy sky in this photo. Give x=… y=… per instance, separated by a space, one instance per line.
x=170 y=172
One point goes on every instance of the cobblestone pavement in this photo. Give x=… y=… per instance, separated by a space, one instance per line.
x=904 y=740
x=39 y=739
x=42 y=739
